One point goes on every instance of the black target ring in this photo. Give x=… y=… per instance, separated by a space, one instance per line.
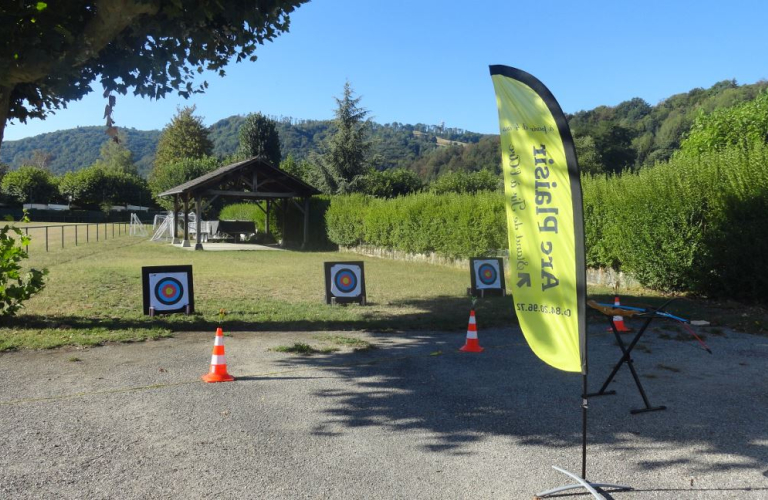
x=345 y=280
x=487 y=274
x=169 y=291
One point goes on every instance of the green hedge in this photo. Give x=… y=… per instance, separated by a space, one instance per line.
x=455 y=225
x=694 y=224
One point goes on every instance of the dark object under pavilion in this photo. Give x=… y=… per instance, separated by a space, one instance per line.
x=252 y=179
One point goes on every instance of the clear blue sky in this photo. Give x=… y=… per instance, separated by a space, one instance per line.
x=427 y=60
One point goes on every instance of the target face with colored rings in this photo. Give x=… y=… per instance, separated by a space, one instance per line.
x=169 y=291
x=487 y=274
x=345 y=280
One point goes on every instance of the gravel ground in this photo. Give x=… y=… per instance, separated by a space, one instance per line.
x=412 y=418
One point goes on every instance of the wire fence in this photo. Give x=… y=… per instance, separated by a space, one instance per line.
x=58 y=236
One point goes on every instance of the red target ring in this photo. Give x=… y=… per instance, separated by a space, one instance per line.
x=345 y=280
x=169 y=291
x=487 y=274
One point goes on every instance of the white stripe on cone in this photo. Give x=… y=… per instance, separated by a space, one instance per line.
x=218 y=359
x=616 y=304
x=218 y=341
x=471 y=334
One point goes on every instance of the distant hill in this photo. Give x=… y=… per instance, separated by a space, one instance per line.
x=395 y=145
x=608 y=138
x=635 y=133
x=76 y=148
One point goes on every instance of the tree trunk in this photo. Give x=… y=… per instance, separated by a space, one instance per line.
x=5 y=100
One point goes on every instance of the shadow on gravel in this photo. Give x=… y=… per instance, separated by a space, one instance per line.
x=456 y=399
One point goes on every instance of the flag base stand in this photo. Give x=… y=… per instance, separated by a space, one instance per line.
x=581 y=483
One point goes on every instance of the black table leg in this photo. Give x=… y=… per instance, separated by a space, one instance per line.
x=627 y=358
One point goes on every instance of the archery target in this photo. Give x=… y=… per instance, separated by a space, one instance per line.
x=168 y=291
x=345 y=280
x=487 y=274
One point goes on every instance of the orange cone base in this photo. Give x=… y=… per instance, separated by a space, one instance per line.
x=472 y=346
x=620 y=327
x=217 y=377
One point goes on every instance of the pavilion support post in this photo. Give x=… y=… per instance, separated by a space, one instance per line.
x=175 y=226
x=198 y=223
x=185 y=243
x=306 y=224
x=266 y=219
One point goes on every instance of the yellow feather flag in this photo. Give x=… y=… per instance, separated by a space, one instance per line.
x=542 y=192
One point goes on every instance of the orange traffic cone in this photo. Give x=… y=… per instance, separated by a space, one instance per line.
x=619 y=320
x=218 y=372
x=472 y=344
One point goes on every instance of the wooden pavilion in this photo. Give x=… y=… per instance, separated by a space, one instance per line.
x=253 y=179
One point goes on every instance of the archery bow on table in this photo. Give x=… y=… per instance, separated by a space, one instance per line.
x=643 y=312
x=611 y=310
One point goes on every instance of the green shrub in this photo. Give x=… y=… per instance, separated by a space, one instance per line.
x=31 y=185
x=691 y=224
x=466 y=182
x=455 y=225
x=344 y=219
x=15 y=287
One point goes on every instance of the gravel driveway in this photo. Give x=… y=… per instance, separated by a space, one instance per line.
x=412 y=418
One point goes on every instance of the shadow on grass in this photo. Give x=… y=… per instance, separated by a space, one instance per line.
x=437 y=313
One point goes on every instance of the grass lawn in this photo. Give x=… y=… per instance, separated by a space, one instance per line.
x=93 y=295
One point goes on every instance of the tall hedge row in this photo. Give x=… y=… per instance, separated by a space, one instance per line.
x=696 y=224
x=455 y=225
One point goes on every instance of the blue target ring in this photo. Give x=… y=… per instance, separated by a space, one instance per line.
x=345 y=280
x=169 y=291
x=487 y=274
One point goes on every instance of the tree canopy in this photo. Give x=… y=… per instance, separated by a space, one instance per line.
x=184 y=137
x=51 y=53
x=344 y=164
x=259 y=137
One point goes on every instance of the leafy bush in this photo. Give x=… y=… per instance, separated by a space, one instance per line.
x=15 y=287
x=466 y=182
x=391 y=183
x=170 y=175
x=691 y=224
x=30 y=185
x=741 y=125
x=96 y=185
x=455 y=225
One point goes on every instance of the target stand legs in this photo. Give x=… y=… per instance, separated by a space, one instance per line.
x=151 y=312
x=580 y=483
x=188 y=309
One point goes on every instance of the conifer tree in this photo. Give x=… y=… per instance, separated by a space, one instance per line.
x=259 y=137
x=344 y=164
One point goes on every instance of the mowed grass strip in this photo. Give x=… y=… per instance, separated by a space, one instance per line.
x=94 y=295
